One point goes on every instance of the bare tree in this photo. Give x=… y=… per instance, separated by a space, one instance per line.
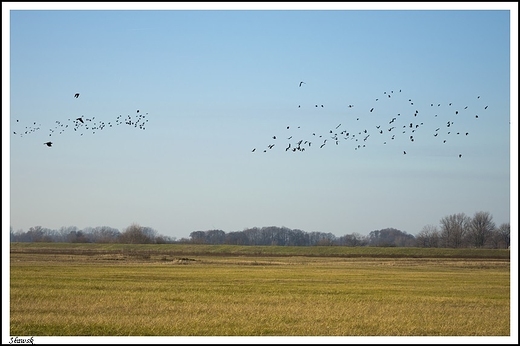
x=481 y=228
x=135 y=234
x=77 y=237
x=215 y=236
x=428 y=237
x=150 y=233
x=198 y=237
x=236 y=238
x=453 y=230
x=65 y=231
x=104 y=234
x=504 y=233
x=390 y=237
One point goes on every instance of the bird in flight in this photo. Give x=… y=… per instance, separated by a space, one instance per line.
x=79 y=119
x=76 y=95
x=302 y=83
x=49 y=144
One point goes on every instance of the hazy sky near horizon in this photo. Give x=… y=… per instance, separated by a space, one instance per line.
x=212 y=86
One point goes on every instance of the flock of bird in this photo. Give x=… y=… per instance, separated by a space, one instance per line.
x=82 y=125
x=441 y=121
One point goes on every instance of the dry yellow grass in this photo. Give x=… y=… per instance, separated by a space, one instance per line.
x=57 y=295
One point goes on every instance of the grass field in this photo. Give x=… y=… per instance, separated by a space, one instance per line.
x=204 y=290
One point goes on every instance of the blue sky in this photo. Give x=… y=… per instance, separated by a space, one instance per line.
x=215 y=84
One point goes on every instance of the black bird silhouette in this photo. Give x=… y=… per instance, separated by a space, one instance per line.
x=302 y=83
x=76 y=95
x=49 y=144
x=80 y=119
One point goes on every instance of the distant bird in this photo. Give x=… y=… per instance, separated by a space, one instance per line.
x=79 y=119
x=76 y=95
x=49 y=144
x=302 y=83
x=411 y=128
x=253 y=150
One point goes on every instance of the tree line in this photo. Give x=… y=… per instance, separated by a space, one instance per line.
x=453 y=231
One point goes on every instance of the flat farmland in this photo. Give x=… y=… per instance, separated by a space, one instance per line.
x=210 y=290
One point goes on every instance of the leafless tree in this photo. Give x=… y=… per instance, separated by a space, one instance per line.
x=453 y=230
x=428 y=237
x=104 y=234
x=481 y=228
x=504 y=233
x=135 y=234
